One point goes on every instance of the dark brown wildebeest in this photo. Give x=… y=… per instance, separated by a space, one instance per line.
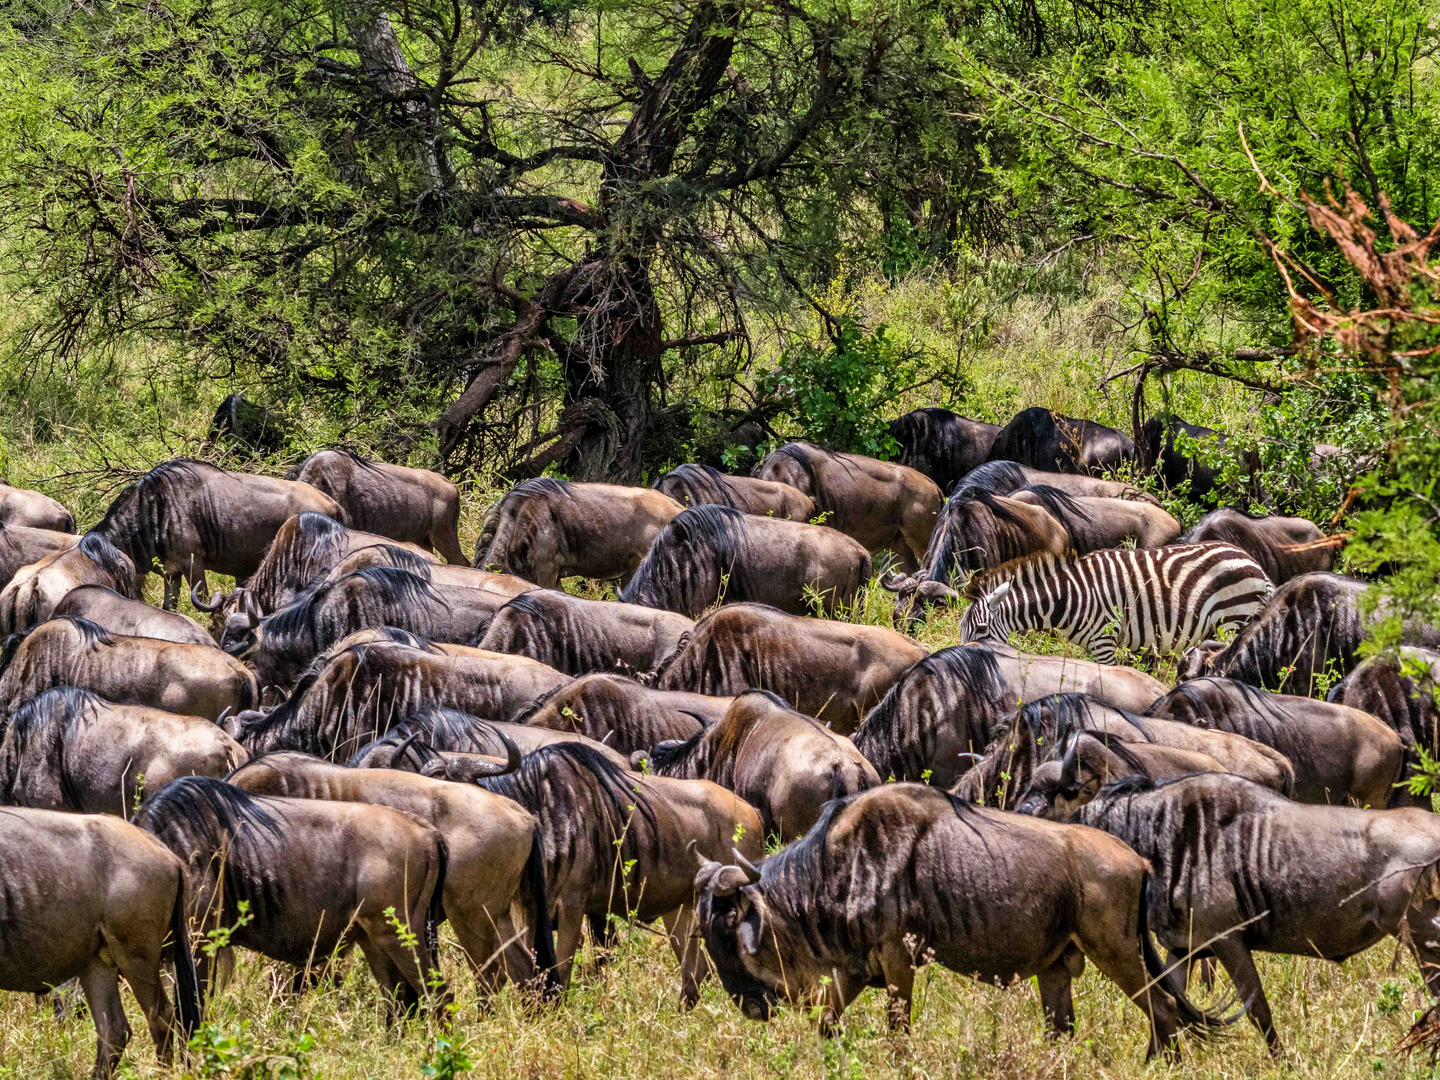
x=1339 y=753
x=414 y=505
x=1096 y=523
x=833 y=671
x=31 y=509
x=579 y=636
x=883 y=505
x=464 y=576
x=700 y=485
x=905 y=874
x=190 y=518
x=191 y=680
x=1285 y=547
x=463 y=744
x=119 y=614
x=941 y=444
x=1180 y=466
x=319 y=877
x=1265 y=874
x=1008 y=477
x=544 y=530
x=1399 y=689
x=93 y=898
x=494 y=888
x=617 y=843
x=624 y=714
x=1086 y=762
x=783 y=763
x=69 y=749
x=709 y=555
x=248 y=426
x=1043 y=439
x=33 y=592
x=21 y=545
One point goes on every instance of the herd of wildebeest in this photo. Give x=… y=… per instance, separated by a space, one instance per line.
x=367 y=741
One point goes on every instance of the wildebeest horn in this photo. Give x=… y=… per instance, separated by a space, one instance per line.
x=398 y=754
x=606 y=740
x=937 y=590
x=251 y=605
x=976 y=757
x=213 y=604
x=1070 y=764
x=512 y=759
x=890 y=581
x=751 y=870
x=220 y=720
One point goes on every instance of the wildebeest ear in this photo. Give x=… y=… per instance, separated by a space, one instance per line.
x=638 y=758
x=727 y=880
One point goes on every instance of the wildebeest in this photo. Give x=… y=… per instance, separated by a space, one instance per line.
x=1285 y=547
x=192 y=680
x=617 y=843
x=882 y=505
x=248 y=425
x=783 y=763
x=21 y=545
x=716 y=554
x=31 y=509
x=93 y=898
x=700 y=485
x=464 y=576
x=1096 y=523
x=459 y=741
x=905 y=874
x=1181 y=466
x=1043 y=439
x=1399 y=689
x=190 y=518
x=1086 y=762
x=579 y=636
x=119 y=614
x=33 y=592
x=1008 y=477
x=1338 y=753
x=69 y=749
x=318 y=877
x=941 y=444
x=544 y=530
x=494 y=884
x=414 y=505
x=624 y=714
x=833 y=671
x=1240 y=869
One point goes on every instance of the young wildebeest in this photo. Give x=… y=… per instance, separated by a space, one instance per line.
x=33 y=592
x=715 y=554
x=191 y=517
x=93 y=898
x=69 y=749
x=700 y=485
x=783 y=763
x=1096 y=523
x=1285 y=547
x=624 y=714
x=31 y=509
x=578 y=636
x=881 y=504
x=1400 y=691
x=21 y=545
x=1045 y=440
x=1008 y=477
x=448 y=742
x=617 y=844
x=318 y=876
x=494 y=884
x=941 y=444
x=905 y=874
x=544 y=530
x=119 y=614
x=1338 y=753
x=1264 y=874
x=192 y=680
x=833 y=671
x=414 y=505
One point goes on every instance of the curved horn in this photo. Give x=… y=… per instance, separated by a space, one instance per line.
x=608 y=736
x=891 y=581
x=1070 y=764
x=211 y=605
x=398 y=754
x=220 y=720
x=512 y=759
x=751 y=870
x=977 y=758
x=250 y=605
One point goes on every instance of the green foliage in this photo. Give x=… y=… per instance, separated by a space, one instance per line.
x=218 y=1054
x=448 y=1060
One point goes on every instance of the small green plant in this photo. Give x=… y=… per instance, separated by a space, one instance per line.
x=447 y=1060
x=219 y=937
x=1392 y=996
x=234 y=1055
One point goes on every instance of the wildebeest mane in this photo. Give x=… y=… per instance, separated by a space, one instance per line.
x=799 y=453
x=403 y=558
x=144 y=516
x=697 y=539
x=1059 y=505
x=41 y=727
x=702 y=485
x=398 y=594
x=317 y=545
x=997 y=477
x=117 y=566
x=350 y=452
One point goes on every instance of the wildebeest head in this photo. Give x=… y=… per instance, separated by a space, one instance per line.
x=1198 y=660
x=733 y=918
x=520 y=533
x=1058 y=789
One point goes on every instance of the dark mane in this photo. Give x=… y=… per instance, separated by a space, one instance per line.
x=670 y=575
x=535 y=487
x=527 y=603
x=1059 y=505
x=998 y=477
x=701 y=485
x=317 y=545
x=42 y=726
x=114 y=563
x=145 y=514
x=403 y=558
x=91 y=634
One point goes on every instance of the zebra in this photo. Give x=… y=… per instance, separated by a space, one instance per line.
x=1162 y=599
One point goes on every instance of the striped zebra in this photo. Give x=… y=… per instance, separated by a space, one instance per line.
x=1162 y=599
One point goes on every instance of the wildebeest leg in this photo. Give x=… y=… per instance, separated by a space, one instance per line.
x=139 y=962
x=1240 y=964
x=842 y=989
x=905 y=560
x=101 y=983
x=446 y=540
x=480 y=937
x=1120 y=962
x=898 y=968
x=681 y=928
x=401 y=968
x=172 y=590
x=1055 y=998
x=567 y=940
x=213 y=972
x=400 y=995
x=602 y=933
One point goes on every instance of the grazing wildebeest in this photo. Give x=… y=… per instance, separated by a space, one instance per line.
x=414 y=505
x=833 y=671
x=1285 y=547
x=190 y=517
x=700 y=485
x=1181 y=466
x=617 y=843
x=624 y=714
x=1008 y=477
x=31 y=595
x=70 y=749
x=248 y=425
x=1240 y=869
x=192 y=680
x=1399 y=689
x=579 y=636
x=708 y=555
x=119 y=614
x=31 y=509
x=319 y=877
x=941 y=444
x=1043 y=439
x=544 y=530
x=1096 y=523
x=783 y=763
x=1086 y=762
x=882 y=505
x=21 y=545
x=93 y=898
x=464 y=744
x=1161 y=599
x=905 y=874
x=1338 y=753
x=494 y=888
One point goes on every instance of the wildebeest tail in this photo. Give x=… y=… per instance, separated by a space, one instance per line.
x=1200 y=1022
x=540 y=917
x=11 y=647
x=435 y=915
x=187 y=984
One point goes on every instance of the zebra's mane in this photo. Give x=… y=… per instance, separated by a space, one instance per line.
x=985 y=581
